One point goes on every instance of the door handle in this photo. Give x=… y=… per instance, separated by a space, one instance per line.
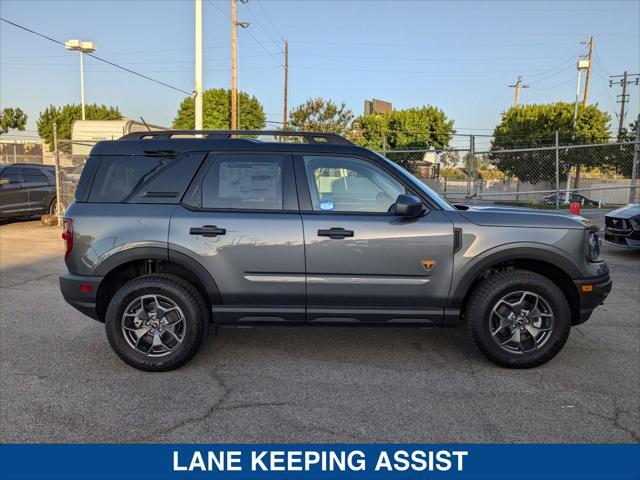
x=207 y=231
x=335 y=233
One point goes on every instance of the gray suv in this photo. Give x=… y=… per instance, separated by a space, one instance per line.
x=172 y=233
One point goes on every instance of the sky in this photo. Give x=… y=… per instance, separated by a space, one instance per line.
x=458 y=56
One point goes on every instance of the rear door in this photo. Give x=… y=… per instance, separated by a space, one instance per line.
x=14 y=195
x=365 y=264
x=240 y=220
x=41 y=188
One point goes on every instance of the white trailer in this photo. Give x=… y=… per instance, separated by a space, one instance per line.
x=85 y=133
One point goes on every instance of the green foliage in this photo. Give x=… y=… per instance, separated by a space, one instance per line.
x=65 y=116
x=530 y=126
x=414 y=128
x=319 y=115
x=12 y=118
x=620 y=157
x=216 y=111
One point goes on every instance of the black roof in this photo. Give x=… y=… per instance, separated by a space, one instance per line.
x=177 y=141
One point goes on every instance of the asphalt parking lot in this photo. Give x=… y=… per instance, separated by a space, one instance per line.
x=60 y=381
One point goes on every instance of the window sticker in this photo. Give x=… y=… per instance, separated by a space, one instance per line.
x=327 y=205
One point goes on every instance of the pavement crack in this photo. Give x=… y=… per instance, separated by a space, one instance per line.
x=615 y=421
x=39 y=277
x=215 y=406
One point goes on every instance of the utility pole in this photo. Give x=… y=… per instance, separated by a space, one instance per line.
x=518 y=85
x=234 y=67
x=627 y=79
x=585 y=99
x=286 y=80
x=198 y=65
x=234 y=62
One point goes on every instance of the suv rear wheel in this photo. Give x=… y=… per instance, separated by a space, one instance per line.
x=156 y=322
x=519 y=319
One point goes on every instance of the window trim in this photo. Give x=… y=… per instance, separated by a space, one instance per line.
x=304 y=195
x=289 y=191
x=21 y=175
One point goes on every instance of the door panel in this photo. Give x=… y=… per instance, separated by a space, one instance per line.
x=40 y=188
x=255 y=255
x=14 y=195
x=363 y=263
x=378 y=273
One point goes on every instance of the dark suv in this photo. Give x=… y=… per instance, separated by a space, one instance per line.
x=26 y=189
x=172 y=232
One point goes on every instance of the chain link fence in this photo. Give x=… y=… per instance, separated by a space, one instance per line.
x=70 y=159
x=596 y=176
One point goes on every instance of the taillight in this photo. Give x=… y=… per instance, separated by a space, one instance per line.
x=67 y=236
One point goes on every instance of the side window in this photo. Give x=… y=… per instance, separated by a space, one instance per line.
x=343 y=184
x=118 y=176
x=34 y=175
x=11 y=175
x=244 y=181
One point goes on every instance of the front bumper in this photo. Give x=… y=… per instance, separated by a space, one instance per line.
x=592 y=293
x=622 y=238
x=82 y=299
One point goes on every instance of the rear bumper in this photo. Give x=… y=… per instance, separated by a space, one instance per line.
x=83 y=301
x=592 y=292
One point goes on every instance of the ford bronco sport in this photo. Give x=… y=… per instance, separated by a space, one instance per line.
x=173 y=232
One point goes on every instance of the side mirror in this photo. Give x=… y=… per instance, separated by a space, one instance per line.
x=408 y=206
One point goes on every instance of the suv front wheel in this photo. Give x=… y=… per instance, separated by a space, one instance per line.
x=519 y=319
x=156 y=322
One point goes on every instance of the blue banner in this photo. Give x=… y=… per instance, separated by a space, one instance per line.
x=320 y=461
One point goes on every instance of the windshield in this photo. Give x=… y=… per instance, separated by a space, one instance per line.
x=431 y=193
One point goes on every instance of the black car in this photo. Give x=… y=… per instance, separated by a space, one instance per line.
x=26 y=189
x=622 y=227
x=574 y=197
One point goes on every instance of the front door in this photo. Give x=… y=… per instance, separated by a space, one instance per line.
x=14 y=194
x=240 y=221
x=365 y=264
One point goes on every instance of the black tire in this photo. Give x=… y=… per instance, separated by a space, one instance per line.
x=488 y=293
x=53 y=206
x=179 y=291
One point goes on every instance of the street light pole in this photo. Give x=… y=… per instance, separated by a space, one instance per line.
x=82 y=47
x=82 y=84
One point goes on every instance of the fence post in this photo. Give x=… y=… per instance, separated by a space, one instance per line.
x=56 y=154
x=384 y=145
x=15 y=156
x=634 y=165
x=557 y=170
x=474 y=166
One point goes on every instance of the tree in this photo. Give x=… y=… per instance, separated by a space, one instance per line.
x=620 y=157
x=12 y=118
x=423 y=128
x=64 y=117
x=531 y=126
x=216 y=111
x=319 y=115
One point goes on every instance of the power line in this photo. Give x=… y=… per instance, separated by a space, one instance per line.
x=259 y=23
x=268 y=17
x=261 y=44
x=97 y=58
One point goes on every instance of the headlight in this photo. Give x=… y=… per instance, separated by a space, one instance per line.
x=593 y=246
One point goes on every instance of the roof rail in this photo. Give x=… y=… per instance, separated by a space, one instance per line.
x=310 y=137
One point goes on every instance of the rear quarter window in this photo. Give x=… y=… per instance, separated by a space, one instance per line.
x=118 y=176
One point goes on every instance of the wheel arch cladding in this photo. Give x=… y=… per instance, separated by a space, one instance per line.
x=548 y=263
x=127 y=265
